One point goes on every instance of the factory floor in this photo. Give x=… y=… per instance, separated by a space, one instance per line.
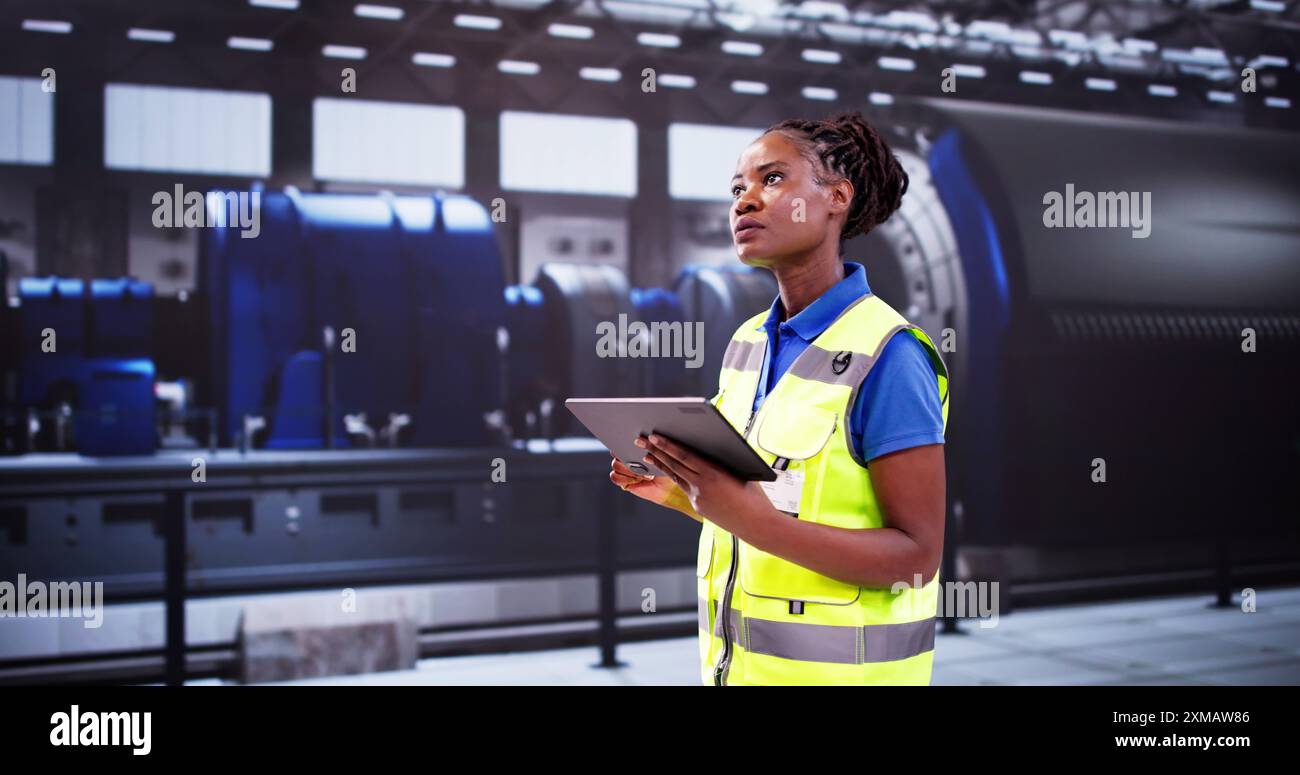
x=1171 y=640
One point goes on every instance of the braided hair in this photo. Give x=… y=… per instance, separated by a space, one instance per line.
x=845 y=146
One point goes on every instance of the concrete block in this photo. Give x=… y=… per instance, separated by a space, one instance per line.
x=319 y=635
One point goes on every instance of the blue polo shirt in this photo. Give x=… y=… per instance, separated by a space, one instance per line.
x=898 y=406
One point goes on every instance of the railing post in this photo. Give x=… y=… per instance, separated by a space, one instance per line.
x=174 y=587
x=607 y=572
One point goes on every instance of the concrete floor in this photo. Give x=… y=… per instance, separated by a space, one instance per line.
x=1174 y=640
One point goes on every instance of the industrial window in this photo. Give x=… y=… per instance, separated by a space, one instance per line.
x=702 y=159
x=388 y=142
x=26 y=122
x=568 y=154
x=165 y=129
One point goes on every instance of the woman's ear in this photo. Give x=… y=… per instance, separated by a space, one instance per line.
x=841 y=196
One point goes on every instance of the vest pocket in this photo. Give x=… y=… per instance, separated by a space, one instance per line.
x=801 y=436
x=769 y=576
x=797 y=434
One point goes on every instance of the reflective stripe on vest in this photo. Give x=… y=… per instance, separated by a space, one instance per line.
x=788 y=624
x=826 y=642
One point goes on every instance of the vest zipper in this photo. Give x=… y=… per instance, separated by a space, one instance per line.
x=724 y=610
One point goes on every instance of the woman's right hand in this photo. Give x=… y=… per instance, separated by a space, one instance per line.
x=659 y=490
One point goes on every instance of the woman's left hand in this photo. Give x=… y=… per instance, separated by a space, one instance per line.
x=716 y=494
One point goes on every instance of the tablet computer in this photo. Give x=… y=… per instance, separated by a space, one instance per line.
x=617 y=422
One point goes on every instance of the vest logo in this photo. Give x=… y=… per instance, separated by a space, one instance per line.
x=841 y=361
x=95 y=728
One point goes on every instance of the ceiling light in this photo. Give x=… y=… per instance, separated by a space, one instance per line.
x=742 y=48
x=476 y=22
x=150 y=36
x=343 y=52
x=572 y=31
x=606 y=74
x=897 y=63
x=427 y=59
x=249 y=44
x=677 y=81
x=386 y=12
x=47 y=25
x=658 y=40
x=517 y=67
x=749 y=87
x=821 y=56
x=968 y=71
x=1268 y=60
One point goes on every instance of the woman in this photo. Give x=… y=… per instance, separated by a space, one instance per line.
x=830 y=574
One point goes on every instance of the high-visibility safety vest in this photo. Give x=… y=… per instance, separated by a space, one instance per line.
x=766 y=620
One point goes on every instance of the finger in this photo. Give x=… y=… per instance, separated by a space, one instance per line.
x=625 y=481
x=622 y=482
x=671 y=449
x=675 y=471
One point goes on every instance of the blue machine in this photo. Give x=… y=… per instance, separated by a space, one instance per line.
x=101 y=363
x=461 y=315
x=258 y=307
x=411 y=288
x=57 y=306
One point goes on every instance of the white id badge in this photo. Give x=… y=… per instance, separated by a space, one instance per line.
x=785 y=491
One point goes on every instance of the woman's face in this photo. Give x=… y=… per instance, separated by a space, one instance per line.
x=778 y=210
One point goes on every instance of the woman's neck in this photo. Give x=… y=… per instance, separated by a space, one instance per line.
x=801 y=284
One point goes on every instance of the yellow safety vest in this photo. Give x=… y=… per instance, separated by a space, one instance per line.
x=785 y=624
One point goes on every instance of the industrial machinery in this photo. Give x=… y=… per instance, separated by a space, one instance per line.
x=381 y=309
x=366 y=374
x=1123 y=386
x=87 y=365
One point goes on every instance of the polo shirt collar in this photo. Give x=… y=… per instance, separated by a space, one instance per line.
x=817 y=317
